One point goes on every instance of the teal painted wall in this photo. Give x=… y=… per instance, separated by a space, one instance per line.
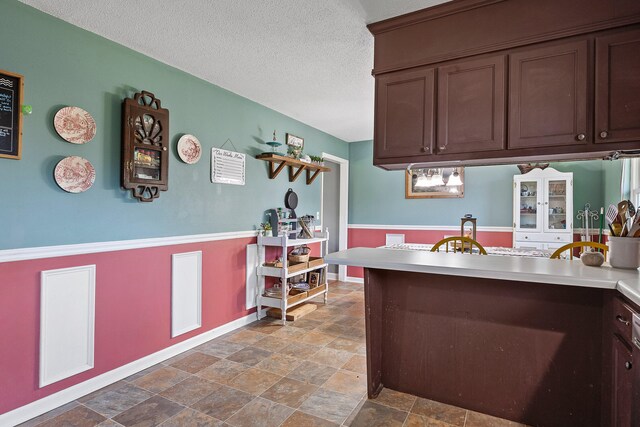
x=377 y=196
x=612 y=176
x=64 y=65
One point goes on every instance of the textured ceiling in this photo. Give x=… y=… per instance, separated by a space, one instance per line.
x=308 y=59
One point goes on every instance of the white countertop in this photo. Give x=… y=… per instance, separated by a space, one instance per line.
x=523 y=269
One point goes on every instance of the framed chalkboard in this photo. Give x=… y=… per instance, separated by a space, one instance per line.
x=11 y=86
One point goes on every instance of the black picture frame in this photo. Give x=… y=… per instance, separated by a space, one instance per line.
x=11 y=89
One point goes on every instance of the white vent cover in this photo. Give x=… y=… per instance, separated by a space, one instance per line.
x=227 y=167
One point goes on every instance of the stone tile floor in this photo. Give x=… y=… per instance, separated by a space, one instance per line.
x=311 y=372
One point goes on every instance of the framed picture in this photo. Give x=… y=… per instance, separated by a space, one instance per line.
x=11 y=87
x=434 y=183
x=295 y=143
x=314 y=279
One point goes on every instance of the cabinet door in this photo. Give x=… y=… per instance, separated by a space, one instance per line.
x=528 y=201
x=404 y=114
x=618 y=87
x=471 y=106
x=622 y=384
x=635 y=411
x=548 y=96
x=558 y=205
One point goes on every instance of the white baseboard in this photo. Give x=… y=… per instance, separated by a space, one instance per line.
x=332 y=276
x=355 y=279
x=46 y=404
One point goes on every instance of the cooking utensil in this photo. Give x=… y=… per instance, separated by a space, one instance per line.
x=635 y=227
x=623 y=210
x=623 y=214
x=631 y=208
x=634 y=230
x=616 y=228
x=624 y=231
x=612 y=213
x=631 y=213
x=291 y=202
x=612 y=216
x=601 y=224
x=291 y=199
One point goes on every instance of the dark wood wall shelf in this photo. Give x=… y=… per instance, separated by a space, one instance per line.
x=277 y=163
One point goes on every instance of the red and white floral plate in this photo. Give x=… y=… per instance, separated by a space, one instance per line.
x=74 y=125
x=189 y=149
x=74 y=174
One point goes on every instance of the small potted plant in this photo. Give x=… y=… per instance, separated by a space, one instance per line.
x=266 y=229
x=294 y=153
x=317 y=160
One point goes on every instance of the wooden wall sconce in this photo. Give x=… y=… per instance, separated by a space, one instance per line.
x=145 y=146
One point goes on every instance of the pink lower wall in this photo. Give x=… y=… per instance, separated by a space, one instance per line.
x=133 y=309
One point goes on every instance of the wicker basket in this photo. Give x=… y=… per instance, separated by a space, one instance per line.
x=298 y=258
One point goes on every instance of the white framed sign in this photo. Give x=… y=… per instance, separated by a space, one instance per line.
x=227 y=167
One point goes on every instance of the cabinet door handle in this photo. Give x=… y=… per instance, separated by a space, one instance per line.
x=628 y=365
x=621 y=319
x=604 y=134
x=425 y=149
x=581 y=137
x=442 y=148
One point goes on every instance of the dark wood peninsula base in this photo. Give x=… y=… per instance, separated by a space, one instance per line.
x=528 y=352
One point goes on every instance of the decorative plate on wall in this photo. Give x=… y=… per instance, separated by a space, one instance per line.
x=74 y=174
x=189 y=149
x=74 y=125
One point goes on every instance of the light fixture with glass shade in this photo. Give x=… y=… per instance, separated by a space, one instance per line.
x=422 y=181
x=454 y=179
x=436 y=179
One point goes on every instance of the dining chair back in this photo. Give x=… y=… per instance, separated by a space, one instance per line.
x=459 y=244
x=571 y=246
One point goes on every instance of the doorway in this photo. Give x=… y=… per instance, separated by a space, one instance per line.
x=334 y=209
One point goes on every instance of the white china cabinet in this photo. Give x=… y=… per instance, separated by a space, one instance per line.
x=542 y=209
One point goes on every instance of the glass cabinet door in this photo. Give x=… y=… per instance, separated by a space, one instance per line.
x=147 y=164
x=527 y=193
x=555 y=205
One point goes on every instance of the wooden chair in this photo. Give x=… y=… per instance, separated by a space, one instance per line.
x=571 y=246
x=459 y=243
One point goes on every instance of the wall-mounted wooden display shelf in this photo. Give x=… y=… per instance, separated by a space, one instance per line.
x=277 y=163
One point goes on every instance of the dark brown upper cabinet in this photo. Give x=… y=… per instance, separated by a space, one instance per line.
x=569 y=88
x=618 y=87
x=404 y=123
x=548 y=96
x=471 y=106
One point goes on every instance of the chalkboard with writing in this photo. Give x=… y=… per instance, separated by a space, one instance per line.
x=11 y=86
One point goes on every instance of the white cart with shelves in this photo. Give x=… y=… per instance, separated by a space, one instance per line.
x=543 y=209
x=285 y=243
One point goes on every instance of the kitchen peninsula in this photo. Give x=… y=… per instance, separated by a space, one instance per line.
x=526 y=339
